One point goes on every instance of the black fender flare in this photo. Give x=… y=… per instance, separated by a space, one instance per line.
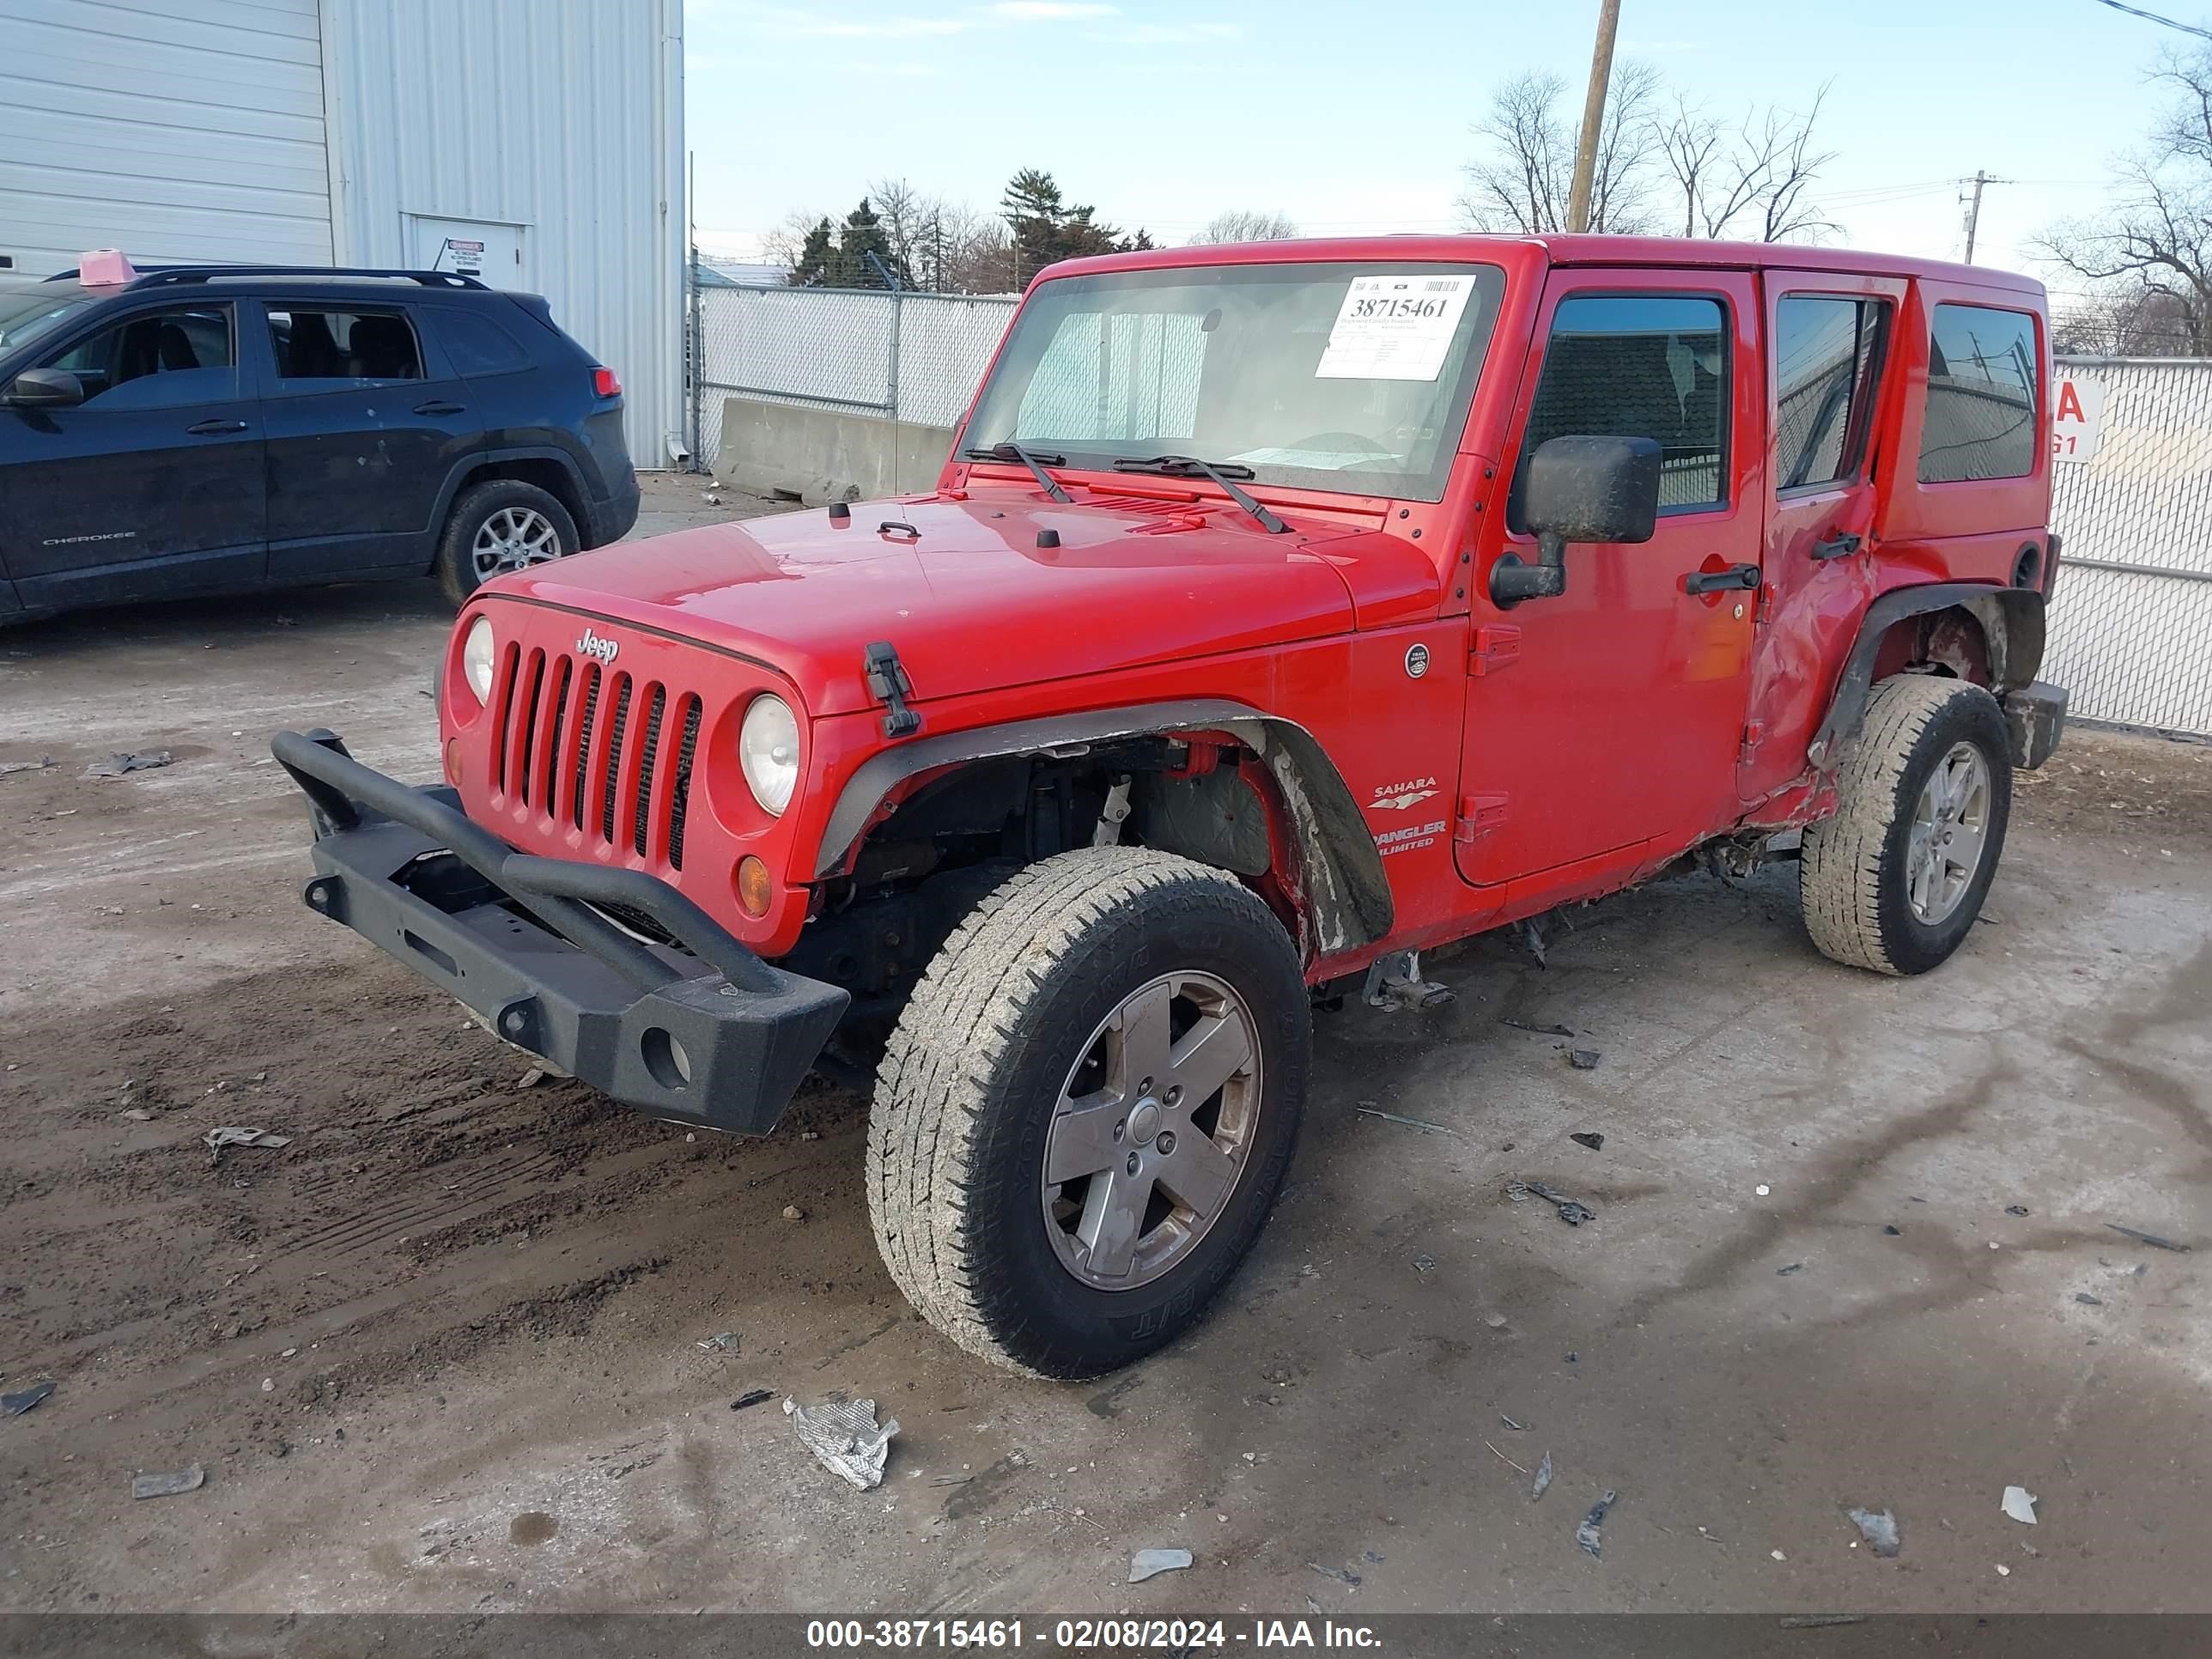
x=1348 y=894
x=483 y=458
x=2012 y=620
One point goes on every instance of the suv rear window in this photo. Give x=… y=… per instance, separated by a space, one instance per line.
x=477 y=345
x=1982 y=380
x=157 y=360
x=312 y=344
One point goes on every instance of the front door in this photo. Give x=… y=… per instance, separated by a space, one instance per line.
x=1604 y=725
x=150 y=488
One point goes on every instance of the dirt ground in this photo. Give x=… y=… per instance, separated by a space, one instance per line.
x=466 y=1344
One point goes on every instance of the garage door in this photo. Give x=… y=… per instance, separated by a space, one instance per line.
x=175 y=129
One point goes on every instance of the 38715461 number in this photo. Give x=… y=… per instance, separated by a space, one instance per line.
x=896 y=1633
x=1389 y=308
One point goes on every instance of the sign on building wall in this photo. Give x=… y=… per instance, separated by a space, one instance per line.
x=2077 y=418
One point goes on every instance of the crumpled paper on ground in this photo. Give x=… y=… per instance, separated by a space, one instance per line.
x=845 y=1437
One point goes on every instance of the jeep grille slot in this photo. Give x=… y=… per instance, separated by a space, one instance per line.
x=680 y=798
x=549 y=766
x=499 y=725
x=614 y=760
x=528 y=726
x=584 y=744
x=654 y=705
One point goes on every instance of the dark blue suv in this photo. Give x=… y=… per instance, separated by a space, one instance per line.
x=222 y=429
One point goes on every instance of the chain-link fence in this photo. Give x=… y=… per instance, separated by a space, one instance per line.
x=2131 y=621
x=910 y=357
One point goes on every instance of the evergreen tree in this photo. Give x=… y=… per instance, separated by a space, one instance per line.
x=816 y=256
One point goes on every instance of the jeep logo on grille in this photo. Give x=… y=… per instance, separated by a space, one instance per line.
x=592 y=646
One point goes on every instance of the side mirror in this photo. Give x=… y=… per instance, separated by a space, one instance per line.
x=45 y=388
x=1579 y=489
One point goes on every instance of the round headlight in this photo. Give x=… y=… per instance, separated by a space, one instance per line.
x=767 y=749
x=476 y=658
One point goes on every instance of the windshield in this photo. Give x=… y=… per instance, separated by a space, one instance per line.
x=30 y=309
x=1353 y=377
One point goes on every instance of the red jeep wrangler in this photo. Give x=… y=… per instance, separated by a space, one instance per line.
x=1283 y=611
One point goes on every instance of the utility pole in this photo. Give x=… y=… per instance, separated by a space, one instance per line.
x=1579 y=198
x=1974 y=206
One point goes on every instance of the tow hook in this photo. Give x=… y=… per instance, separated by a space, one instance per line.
x=1395 y=981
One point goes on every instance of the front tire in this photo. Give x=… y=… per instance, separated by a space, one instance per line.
x=1087 y=1109
x=1894 y=880
x=498 y=525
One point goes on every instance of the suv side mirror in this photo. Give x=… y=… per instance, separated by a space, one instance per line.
x=45 y=388
x=1579 y=489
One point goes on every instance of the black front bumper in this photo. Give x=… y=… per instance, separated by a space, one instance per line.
x=701 y=1030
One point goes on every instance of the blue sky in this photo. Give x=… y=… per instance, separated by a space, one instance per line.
x=1354 y=118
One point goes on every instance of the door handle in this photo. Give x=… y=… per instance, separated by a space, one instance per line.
x=1841 y=548
x=439 y=407
x=1715 y=581
x=212 y=428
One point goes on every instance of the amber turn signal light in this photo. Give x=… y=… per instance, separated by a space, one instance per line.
x=755 y=887
x=454 y=762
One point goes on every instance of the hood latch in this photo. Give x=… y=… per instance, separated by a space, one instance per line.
x=888 y=684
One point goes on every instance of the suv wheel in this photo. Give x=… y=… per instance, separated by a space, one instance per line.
x=1894 y=880
x=498 y=525
x=1087 y=1108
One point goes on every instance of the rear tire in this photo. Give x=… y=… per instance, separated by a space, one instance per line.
x=1032 y=1197
x=1894 y=880
x=501 y=524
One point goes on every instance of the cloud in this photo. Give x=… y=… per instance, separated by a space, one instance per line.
x=1041 y=11
x=791 y=23
x=1168 y=34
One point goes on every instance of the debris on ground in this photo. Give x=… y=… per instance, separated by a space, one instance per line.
x=1583 y=1059
x=1150 y=1563
x=753 y=1397
x=2087 y=1300
x=2151 y=1239
x=116 y=765
x=532 y=1078
x=1879 y=1528
x=1510 y=1424
x=136 y=1115
x=724 y=1342
x=2003 y=1571
x=231 y=1135
x=2020 y=1504
x=1820 y=1620
x=1542 y=1483
x=1410 y=1122
x=14 y=1404
x=1894 y=1233
x=1587 y=1533
x=792 y=1212
x=1571 y=1212
x=1504 y=1459
x=846 y=1437
x=1589 y=1138
x=2015 y=1209
x=37 y=765
x=1425 y=1265
x=1530 y=1025
x=1342 y=1575
x=1794 y=1268
x=191 y=1478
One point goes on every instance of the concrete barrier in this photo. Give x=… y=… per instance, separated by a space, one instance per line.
x=822 y=455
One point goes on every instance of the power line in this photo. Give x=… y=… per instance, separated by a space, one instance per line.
x=2152 y=17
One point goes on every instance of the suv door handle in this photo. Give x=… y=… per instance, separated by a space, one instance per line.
x=211 y=428
x=1841 y=548
x=438 y=406
x=1715 y=581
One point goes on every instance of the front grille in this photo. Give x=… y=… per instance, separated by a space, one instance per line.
x=590 y=748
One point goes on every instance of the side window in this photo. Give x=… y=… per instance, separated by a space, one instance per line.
x=1982 y=382
x=477 y=345
x=1827 y=354
x=312 y=345
x=157 y=360
x=1632 y=366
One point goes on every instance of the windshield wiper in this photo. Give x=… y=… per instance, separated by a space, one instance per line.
x=1031 y=458
x=1184 y=466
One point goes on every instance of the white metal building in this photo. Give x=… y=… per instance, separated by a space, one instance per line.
x=538 y=144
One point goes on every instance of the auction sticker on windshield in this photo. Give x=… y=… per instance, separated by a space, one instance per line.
x=1395 y=328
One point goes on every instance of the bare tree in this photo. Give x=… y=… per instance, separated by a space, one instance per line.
x=2129 y=322
x=782 y=246
x=1520 y=180
x=1246 y=225
x=2152 y=241
x=1748 y=179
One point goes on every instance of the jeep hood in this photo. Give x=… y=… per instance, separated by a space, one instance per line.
x=970 y=601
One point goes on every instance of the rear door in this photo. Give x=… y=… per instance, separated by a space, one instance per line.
x=1607 y=720
x=1832 y=335
x=366 y=423
x=152 y=486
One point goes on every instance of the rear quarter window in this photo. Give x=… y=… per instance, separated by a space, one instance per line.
x=1983 y=382
x=477 y=345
